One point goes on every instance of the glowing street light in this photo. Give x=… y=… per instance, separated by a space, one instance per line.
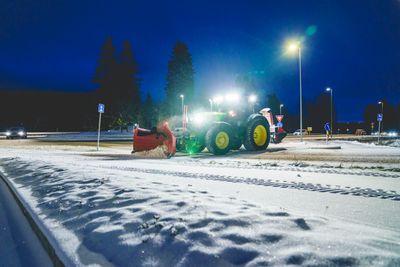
x=331 y=91
x=280 y=109
x=293 y=47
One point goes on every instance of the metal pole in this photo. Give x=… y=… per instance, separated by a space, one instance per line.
x=280 y=110
x=301 y=98
x=379 y=131
x=183 y=113
x=98 y=132
x=382 y=115
x=331 y=113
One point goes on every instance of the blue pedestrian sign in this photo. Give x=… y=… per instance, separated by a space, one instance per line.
x=327 y=127
x=100 y=108
x=279 y=124
x=379 y=117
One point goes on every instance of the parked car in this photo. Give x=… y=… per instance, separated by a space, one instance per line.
x=16 y=132
x=297 y=132
x=360 y=132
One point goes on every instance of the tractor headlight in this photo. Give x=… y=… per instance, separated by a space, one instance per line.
x=198 y=119
x=8 y=133
x=232 y=98
x=21 y=133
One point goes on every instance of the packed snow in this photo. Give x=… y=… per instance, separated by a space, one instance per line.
x=111 y=208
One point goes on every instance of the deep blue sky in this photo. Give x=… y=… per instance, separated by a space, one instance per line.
x=54 y=45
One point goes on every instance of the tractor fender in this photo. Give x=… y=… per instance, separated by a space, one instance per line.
x=254 y=115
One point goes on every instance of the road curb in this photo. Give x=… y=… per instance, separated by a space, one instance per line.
x=35 y=228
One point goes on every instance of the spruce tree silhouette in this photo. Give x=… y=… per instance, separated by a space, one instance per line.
x=119 y=85
x=106 y=78
x=318 y=113
x=127 y=88
x=179 y=79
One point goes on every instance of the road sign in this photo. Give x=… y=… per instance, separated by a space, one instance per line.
x=279 y=124
x=327 y=127
x=100 y=108
x=379 y=117
x=279 y=117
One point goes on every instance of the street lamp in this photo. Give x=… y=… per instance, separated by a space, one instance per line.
x=183 y=110
x=293 y=47
x=380 y=122
x=331 y=91
x=280 y=109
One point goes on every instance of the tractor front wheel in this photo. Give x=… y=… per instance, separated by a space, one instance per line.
x=219 y=138
x=257 y=134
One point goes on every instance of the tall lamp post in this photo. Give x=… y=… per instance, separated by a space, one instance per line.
x=211 y=104
x=295 y=47
x=280 y=109
x=380 y=122
x=331 y=91
x=252 y=100
x=183 y=109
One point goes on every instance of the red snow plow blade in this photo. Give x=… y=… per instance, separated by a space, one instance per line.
x=161 y=136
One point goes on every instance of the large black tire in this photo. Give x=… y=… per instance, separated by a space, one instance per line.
x=257 y=136
x=219 y=138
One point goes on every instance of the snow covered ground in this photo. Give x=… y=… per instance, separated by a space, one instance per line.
x=286 y=206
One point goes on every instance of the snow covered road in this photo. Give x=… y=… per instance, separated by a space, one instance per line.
x=110 y=208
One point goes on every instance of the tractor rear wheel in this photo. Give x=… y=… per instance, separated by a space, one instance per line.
x=257 y=134
x=219 y=138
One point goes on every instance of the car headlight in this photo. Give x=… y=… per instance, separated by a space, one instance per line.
x=8 y=133
x=21 y=133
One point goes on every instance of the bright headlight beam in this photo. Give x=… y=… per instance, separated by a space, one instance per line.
x=198 y=118
x=232 y=97
x=252 y=98
x=218 y=99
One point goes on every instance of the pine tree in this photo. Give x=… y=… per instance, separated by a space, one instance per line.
x=179 y=79
x=149 y=113
x=106 y=72
x=273 y=103
x=127 y=87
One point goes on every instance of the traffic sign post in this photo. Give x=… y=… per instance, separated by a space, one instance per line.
x=379 y=118
x=279 y=124
x=100 y=109
x=327 y=128
x=279 y=117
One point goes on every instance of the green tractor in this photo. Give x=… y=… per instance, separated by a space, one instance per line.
x=223 y=131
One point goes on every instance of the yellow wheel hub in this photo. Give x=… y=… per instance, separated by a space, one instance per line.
x=222 y=140
x=260 y=135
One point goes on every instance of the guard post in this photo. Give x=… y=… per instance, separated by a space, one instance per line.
x=100 y=109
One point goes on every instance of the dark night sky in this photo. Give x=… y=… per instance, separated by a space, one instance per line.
x=48 y=45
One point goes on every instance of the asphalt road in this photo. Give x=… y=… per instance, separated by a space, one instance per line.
x=19 y=246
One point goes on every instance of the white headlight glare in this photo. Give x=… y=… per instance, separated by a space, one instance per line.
x=198 y=118
x=20 y=133
x=8 y=133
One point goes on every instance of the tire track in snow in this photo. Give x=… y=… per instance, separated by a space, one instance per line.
x=294 y=168
x=355 y=191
